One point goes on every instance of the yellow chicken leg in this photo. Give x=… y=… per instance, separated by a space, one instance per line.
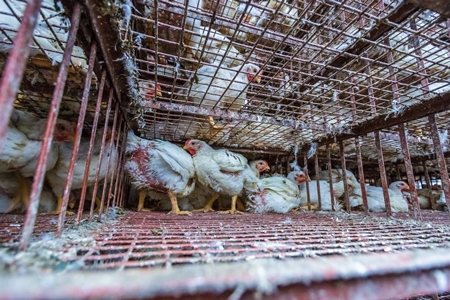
x=240 y=205
x=24 y=190
x=233 y=209
x=208 y=206
x=14 y=203
x=142 y=194
x=175 y=209
x=58 y=208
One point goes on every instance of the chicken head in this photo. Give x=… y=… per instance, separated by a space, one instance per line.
x=402 y=186
x=64 y=131
x=253 y=72
x=148 y=89
x=192 y=146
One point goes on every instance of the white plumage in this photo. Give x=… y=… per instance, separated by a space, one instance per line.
x=375 y=198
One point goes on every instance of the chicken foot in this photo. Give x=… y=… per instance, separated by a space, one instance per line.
x=22 y=196
x=208 y=206
x=175 y=208
x=142 y=194
x=233 y=209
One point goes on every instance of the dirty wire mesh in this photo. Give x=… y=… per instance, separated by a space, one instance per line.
x=270 y=77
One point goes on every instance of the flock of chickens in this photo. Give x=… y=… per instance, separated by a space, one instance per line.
x=166 y=172
x=19 y=158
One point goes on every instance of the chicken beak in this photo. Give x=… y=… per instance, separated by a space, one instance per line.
x=258 y=79
x=185 y=147
x=158 y=94
x=71 y=138
x=267 y=168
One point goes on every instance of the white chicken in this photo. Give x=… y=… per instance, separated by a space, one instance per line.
x=148 y=90
x=226 y=89
x=221 y=170
x=21 y=148
x=44 y=38
x=161 y=166
x=375 y=198
x=209 y=45
x=278 y=194
x=56 y=177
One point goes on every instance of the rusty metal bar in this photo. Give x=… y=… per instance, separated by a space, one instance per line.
x=344 y=177
x=119 y=191
x=440 y=6
x=100 y=156
x=428 y=181
x=91 y=146
x=305 y=169
x=236 y=116
x=331 y=177
x=49 y=130
x=76 y=143
x=381 y=166
x=445 y=180
x=316 y=165
x=109 y=179
x=409 y=172
x=115 y=171
x=362 y=179
x=15 y=65
x=392 y=275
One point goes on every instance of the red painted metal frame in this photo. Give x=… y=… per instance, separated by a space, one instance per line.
x=15 y=66
x=48 y=136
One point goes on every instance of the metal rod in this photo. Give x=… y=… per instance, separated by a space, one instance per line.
x=305 y=169
x=115 y=175
x=76 y=143
x=384 y=183
x=316 y=165
x=48 y=135
x=362 y=180
x=409 y=172
x=344 y=177
x=331 y=177
x=84 y=184
x=440 y=158
x=109 y=179
x=100 y=157
x=428 y=181
x=15 y=65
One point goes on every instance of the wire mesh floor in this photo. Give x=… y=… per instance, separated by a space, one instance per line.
x=137 y=240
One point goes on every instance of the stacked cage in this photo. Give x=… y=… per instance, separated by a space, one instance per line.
x=354 y=94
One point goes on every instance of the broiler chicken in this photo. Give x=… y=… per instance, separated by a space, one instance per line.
x=209 y=45
x=226 y=89
x=278 y=194
x=221 y=170
x=148 y=90
x=161 y=166
x=375 y=198
x=56 y=177
x=21 y=148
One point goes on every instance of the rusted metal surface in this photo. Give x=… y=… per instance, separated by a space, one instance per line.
x=76 y=143
x=344 y=178
x=316 y=167
x=428 y=183
x=335 y=253
x=330 y=178
x=308 y=194
x=12 y=75
x=362 y=180
x=48 y=135
x=409 y=172
x=440 y=158
x=440 y=6
x=383 y=178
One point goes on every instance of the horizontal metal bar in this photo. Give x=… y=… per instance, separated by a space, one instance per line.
x=235 y=116
x=370 y=276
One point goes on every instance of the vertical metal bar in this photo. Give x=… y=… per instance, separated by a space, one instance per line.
x=115 y=175
x=15 y=65
x=100 y=156
x=428 y=181
x=331 y=177
x=76 y=143
x=344 y=177
x=409 y=171
x=305 y=169
x=91 y=146
x=119 y=184
x=384 y=184
x=440 y=158
x=316 y=163
x=48 y=135
x=362 y=179
x=108 y=179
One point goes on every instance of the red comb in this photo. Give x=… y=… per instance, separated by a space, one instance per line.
x=158 y=87
x=187 y=141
